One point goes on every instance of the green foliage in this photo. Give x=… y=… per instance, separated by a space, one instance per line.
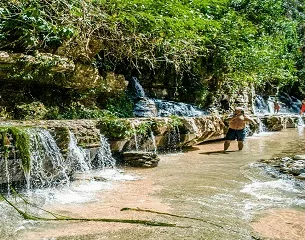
x=115 y=128
x=79 y=111
x=33 y=110
x=39 y=67
x=5 y=114
x=205 y=45
x=144 y=128
x=75 y=111
x=174 y=121
x=38 y=29
x=121 y=106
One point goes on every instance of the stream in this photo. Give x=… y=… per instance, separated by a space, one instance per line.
x=229 y=194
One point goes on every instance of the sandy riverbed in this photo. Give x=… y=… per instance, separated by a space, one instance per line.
x=202 y=183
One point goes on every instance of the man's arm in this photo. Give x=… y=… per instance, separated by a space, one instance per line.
x=249 y=119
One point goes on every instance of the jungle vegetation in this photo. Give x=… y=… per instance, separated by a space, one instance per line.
x=201 y=47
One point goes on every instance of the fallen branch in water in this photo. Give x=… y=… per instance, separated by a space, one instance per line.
x=58 y=217
x=175 y=215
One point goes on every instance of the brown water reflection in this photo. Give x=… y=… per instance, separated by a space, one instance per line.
x=203 y=182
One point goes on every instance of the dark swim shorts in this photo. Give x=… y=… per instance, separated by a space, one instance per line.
x=233 y=134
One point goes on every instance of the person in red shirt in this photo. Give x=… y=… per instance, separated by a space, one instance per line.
x=302 y=110
x=276 y=107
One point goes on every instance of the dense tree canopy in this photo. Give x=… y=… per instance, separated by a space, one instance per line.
x=206 y=44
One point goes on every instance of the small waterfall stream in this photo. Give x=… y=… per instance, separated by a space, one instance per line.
x=78 y=157
x=261 y=125
x=300 y=121
x=48 y=167
x=104 y=157
x=152 y=107
x=265 y=105
x=153 y=140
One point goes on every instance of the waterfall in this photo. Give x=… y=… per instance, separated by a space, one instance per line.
x=104 y=157
x=7 y=173
x=262 y=106
x=135 y=136
x=300 y=121
x=288 y=104
x=168 y=108
x=137 y=88
x=78 y=157
x=194 y=126
x=150 y=107
x=153 y=139
x=270 y=103
x=261 y=125
x=48 y=167
x=173 y=140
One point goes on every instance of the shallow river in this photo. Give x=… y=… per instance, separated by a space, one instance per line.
x=229 y=194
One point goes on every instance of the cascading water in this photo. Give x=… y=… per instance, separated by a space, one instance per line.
x=135 y=136
x=104 y=157
x=78 y=157
x=288 y=104
x=153 y=139
x=146 y=107
x=137 y=88
x=7 y=173
x=142 y=142
x=168 y=108
x=173 y=140
x=300 y=121
x=261 y=125
x=48 y=167
x=194 y=126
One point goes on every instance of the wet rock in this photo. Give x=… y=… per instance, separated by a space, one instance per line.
x=145 y=108
x=59 y=71
x=299 y=157
x=275 y=123
x=301 y=176
x=141 y=159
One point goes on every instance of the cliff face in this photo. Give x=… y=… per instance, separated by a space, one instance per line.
x=50 y=69
x=44 y=81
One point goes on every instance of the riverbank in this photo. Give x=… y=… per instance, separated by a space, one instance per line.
x=219 y=188
x=281 y=224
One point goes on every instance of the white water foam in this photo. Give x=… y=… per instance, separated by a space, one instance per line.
x=276 y=193
x=83 y=190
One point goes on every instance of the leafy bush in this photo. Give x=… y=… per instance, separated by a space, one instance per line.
x=115 y=128
x=121 y=106
x=33 y=110
x=75 y=111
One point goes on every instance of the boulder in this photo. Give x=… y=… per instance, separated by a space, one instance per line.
x=141 y=159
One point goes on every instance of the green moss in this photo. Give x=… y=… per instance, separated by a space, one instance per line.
x=4 y=142
x=22 y=144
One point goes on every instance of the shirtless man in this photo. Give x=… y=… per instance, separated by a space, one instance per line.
x=237 y=128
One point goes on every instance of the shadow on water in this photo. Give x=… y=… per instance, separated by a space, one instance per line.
x=217 y=152
x=190 y=149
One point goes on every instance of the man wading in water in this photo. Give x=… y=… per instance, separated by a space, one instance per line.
x=237 y=128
